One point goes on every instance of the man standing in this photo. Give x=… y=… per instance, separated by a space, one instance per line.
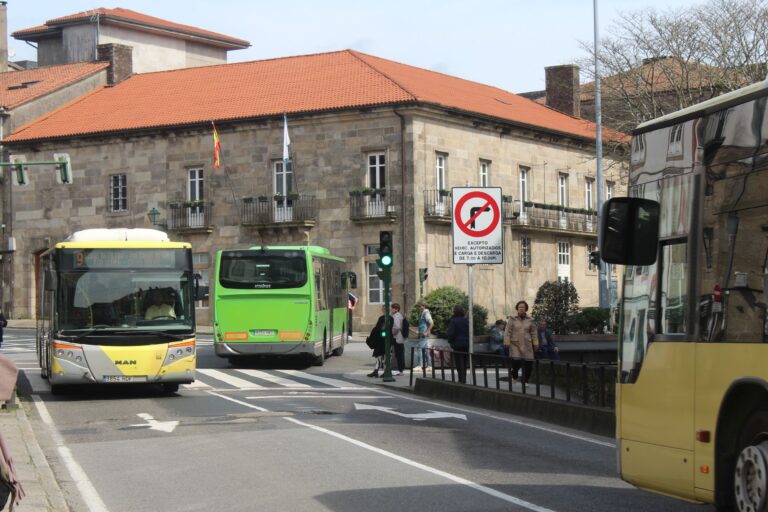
x=520 y=337
x=399 y=337
x=548 y=349
x=423 y=360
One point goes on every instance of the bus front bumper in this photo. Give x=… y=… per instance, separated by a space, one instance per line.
x=225 y=349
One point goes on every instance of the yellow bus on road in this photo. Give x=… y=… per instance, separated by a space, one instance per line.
x=117 y=306
x=692 y=396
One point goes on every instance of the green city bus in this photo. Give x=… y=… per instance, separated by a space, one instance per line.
x=279 y=300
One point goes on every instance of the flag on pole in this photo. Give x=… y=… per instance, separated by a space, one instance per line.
x=216 y=148
x=286 y=142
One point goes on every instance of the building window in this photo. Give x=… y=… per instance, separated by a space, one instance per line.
x=118 y=193
x=589 y=187
x=562 y=192
x=610 y=189
x=590 y=249
x=283 y=178
x=440 y=164
x=195 y=192
x=675 y=141
x=485 y=167
x=377 y=170
x=638 y=149
x=524 y=184
x=371 y=250
x=203 y=281
x=375 y=284
x=525 y=252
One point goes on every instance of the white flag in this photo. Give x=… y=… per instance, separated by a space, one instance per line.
x=286 y=141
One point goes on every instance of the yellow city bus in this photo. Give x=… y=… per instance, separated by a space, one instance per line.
x=117 y=306
x=692 y=396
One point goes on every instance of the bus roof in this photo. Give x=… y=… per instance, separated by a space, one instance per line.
x=118 y=235
x=716 y=104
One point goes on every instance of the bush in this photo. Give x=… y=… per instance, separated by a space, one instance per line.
x=589 y=321
x=556 y=302
x=440 y=303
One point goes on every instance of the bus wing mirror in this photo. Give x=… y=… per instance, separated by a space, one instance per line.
x=49 y=281
x=202 y=292
x=629 y=231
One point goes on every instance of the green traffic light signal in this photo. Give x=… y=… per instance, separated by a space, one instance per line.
x=386 y=260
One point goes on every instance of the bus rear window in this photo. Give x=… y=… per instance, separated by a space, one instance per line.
x=263 y=270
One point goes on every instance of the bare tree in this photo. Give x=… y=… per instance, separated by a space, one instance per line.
x=653 y=63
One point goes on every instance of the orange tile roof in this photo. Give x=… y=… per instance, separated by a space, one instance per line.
x=308 y=83
x=19 y=87
x=127 y=15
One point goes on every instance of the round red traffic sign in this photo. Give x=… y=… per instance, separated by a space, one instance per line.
x=467 y=226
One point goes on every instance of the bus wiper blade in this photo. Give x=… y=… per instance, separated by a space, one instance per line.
x=154 y=333
x=73 y=339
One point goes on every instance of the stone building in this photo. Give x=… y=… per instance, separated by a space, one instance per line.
x=375 y=145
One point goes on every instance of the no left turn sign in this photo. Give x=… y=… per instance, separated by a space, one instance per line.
x=477 y=227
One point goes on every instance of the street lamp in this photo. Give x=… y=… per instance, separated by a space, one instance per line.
x=153 y=214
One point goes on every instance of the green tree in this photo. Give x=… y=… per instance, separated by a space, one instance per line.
x=556 y=302
x=440 y=303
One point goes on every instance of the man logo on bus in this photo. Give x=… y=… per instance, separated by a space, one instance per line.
x=125 y=361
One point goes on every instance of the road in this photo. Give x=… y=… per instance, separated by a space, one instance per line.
x=279 y=436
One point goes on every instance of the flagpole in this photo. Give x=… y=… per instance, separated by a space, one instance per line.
x=287 y=159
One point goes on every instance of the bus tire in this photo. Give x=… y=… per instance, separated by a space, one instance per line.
x=339 y=351
x=320 y=360
x=750 y=471
x=169 y=387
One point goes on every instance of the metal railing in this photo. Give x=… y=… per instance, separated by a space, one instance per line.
x=586 y=383
x=438 y=204
x=263 y=210
x=189 y=215
x=377 y=204
x=554 y=217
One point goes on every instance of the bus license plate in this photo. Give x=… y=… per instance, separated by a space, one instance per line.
x=123 y=378
x=262 y=332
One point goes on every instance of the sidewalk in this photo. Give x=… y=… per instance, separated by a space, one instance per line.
x=43 y=493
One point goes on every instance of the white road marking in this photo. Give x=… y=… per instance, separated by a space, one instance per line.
x=313 y=396
x=419 y=416
x=153 y=424
x=87 y=491
x=230 y=379
x=448 y=476
x=274 y=379
x=323 y=380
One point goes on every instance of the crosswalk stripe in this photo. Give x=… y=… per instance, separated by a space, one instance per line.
x=324 y=380
x=230 y=379
x=274 y=379
x=197 y=384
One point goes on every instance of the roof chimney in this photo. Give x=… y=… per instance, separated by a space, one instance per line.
x=120 y=59
x=563 y=88
x=3 y=37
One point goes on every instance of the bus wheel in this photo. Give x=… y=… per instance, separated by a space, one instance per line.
x=338 y=351
x=750 y=474
x=320 y=360
x=171 y=388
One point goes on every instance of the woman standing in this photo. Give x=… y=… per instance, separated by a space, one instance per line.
x=520 y=336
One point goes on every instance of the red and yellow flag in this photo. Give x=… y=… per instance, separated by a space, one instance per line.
x=216 y=148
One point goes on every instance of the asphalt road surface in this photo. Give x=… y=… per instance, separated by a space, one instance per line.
x=277 y=435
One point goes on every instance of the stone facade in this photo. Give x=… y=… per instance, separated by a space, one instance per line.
x=331 y=157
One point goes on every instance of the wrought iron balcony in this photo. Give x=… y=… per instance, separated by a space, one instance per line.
x=437 y=206
x=287 y=211
x=555 y=217
x=190 y=216
x=374 y=206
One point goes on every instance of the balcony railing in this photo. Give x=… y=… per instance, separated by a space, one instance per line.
x=278 y=210
x=537 y=215
x=189 y=215
x=438 y=205
x=376 y=205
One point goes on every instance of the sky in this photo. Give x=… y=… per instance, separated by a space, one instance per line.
x=504 y=43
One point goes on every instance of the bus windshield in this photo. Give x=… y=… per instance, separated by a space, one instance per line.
x=270 y=269
x=111 y=300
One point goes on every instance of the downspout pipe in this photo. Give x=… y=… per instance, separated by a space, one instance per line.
x=402 y=209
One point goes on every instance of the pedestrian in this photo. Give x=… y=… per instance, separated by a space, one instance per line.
x=351 y=303
x=521 y=339
x=496 y=338
x=376 y=342
x=400 y=335
x=458 y=338
x=3 y=325
x=423 y=360
x=548 y=349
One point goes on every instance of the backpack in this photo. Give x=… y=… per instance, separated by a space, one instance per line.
x=405 y=328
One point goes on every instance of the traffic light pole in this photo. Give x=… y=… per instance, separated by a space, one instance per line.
x=388 y=326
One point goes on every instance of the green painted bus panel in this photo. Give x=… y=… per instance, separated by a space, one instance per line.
x=265 y=317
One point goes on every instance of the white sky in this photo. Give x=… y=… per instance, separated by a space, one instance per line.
x=505 y=43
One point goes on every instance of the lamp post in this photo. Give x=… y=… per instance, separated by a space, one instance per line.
x=153 y=214
x=603 y=299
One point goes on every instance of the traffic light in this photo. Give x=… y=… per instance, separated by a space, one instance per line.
x=594 y=258
x=385 y=249
x=64 y=168
x=423 y=275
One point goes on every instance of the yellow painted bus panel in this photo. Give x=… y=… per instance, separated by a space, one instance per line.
x=658 y=408
x=672 y=468
x=140 y=360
